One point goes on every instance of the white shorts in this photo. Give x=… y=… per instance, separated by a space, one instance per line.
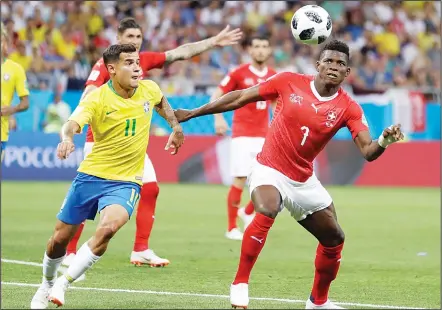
x=300 y=199
x=148 y=173
x=243 y=152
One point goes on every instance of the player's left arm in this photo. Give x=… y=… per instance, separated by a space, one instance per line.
x=176 y=139
x=370 y=149
x=21 y=88
x=186 y=51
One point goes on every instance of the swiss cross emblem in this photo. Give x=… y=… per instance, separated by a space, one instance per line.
x=331 y=118
x=295 y=99
x=146 y=107
x=249 y=82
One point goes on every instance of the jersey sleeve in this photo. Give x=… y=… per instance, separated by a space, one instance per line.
x=21 y=84
x=98 y=76
x=85 y=111
x=356 y=121
x=152 y=60
x=229 y=82
x=269 y=88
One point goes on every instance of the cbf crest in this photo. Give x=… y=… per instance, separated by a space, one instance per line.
x=146 y=107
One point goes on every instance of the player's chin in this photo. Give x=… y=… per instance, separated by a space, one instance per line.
x=134 y=83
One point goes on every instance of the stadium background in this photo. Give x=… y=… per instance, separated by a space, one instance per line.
x=392 y=254
x=395 y=49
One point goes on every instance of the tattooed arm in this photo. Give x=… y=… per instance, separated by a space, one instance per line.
x=165 y=111
x=189 y=50
x=176 y=139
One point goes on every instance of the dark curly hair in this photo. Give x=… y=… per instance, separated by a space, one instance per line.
x=336 y=45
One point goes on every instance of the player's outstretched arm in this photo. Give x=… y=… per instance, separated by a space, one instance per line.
x=230 y=101
x=372 y=149
x=186 y=51
x=176 y=139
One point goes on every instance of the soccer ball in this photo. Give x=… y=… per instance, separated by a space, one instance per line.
x=311 y=24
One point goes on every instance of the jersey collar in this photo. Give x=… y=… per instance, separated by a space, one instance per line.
x=109 y=83
x=318 y=96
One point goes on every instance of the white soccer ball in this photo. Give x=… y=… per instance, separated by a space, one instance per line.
x=311 y=24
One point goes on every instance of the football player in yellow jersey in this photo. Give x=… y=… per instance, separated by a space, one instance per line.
x=109 y=179
x=13 y=80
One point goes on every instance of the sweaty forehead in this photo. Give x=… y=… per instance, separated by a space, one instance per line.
x=335 y=55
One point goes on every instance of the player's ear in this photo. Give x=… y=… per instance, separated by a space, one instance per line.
x=111 y=68
x=317 y=66
x=347 y=72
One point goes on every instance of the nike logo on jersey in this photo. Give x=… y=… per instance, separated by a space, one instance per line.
x=316 y=108
x=259 y=240
x=110 y=112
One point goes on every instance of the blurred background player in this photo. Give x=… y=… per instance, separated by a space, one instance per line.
x=249 y=128
x=13 y=81
x=130 y=32
x=310 y=111
x=120 y=113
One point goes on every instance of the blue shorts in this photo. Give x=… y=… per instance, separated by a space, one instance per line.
x=89 y=194
x=3 y=145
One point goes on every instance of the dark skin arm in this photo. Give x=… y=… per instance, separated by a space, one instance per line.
x=370 y=149
x=230 y=101
x=176 y=139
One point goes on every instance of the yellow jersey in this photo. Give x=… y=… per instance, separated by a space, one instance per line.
x=13 y=80
x=121 y=130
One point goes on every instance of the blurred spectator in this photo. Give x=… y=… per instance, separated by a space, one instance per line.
x=20 y=56
x=57 y=114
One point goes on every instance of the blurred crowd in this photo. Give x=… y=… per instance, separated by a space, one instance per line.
x=393 y=43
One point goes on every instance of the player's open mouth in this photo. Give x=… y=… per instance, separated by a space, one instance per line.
x=332 y=76
x=135 y=77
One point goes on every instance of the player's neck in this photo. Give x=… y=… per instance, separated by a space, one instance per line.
x=325 y=90
x=124 y=93
x=257 y=66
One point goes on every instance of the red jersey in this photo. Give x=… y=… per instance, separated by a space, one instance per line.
x=304 y=123
x=99 y=75
x=252 y=120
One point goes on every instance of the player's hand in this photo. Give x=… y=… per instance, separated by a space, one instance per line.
x=176 y=140
x=12 y=123
x=65 y=148
x=221 y=126
x=6 y=111
x=227 y=37
x=182 y=115
x=391 y=135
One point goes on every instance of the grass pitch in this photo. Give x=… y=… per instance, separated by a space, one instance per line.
x=391 y=256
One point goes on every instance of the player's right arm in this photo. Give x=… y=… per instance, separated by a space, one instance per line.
x=81 y=116
x=235 y=99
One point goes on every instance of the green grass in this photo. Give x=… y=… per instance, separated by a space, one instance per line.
x=386 y=228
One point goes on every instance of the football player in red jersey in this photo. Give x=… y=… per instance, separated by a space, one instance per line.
x=130 y=32
x=249 y=128
x=309 y=112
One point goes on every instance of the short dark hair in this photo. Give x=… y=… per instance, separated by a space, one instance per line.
x=127 y=23
x=112 y=53
x=261 y=37
x=336 y=45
